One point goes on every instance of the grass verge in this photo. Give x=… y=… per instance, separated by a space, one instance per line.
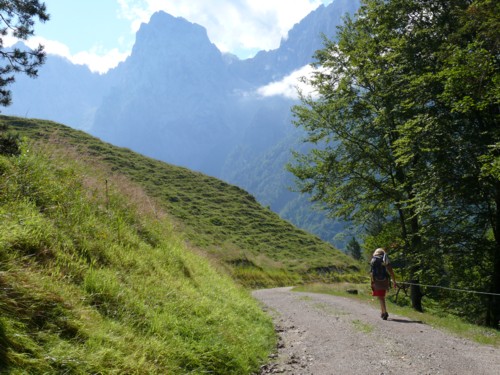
x=99 y=280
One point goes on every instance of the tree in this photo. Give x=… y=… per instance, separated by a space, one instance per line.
x=471 y=81
x=9 y=141
x=354 y=249
x=355 y=123
x=405 y=120
x=17 y=18
x=454 y=133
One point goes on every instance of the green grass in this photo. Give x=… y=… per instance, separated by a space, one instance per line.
x=437 y=319
x=111 y=262
x=362 y=326
x=96 y=280
x=251 y=242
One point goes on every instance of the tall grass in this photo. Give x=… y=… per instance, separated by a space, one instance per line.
x=94 y=278
x=227 y=223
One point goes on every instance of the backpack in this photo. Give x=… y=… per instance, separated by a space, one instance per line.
x=378 y=269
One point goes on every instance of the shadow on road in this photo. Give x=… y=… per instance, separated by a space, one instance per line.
x=406 y=321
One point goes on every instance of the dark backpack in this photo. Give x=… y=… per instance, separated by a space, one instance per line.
x=378 y=269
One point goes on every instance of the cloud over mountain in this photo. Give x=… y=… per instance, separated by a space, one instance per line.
x=238 y=26
x=290 y=86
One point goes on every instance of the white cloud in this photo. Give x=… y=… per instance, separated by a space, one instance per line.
x=237 y=26
x=290 y=85
x=50 y=46
x=242 y=27
x=100 y=61
x=97 y=59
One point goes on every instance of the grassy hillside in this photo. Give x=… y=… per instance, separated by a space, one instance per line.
x=251 y=242
x=111 y=262
x=97 y=280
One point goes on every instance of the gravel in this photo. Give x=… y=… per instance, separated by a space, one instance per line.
x=324 y=335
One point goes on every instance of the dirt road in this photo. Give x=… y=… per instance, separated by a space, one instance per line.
x=327 y=335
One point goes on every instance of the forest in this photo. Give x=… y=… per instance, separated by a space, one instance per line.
x=405 y=143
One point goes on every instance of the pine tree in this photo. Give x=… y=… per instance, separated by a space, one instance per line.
x=17 y=18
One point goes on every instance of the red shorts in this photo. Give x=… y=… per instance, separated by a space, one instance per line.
x=379 y=293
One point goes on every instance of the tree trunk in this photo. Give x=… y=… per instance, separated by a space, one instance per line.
x=493 y=318
x=416 y=241
x=416 y=296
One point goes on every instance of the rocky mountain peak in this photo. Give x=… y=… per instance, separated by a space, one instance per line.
x=298 y=48
x=173 y=36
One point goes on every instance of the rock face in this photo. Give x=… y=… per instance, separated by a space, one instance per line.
x=297 y=50
x=170 y=97
x=177 y=98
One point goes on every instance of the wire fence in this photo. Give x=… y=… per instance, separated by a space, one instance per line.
x=454 y=289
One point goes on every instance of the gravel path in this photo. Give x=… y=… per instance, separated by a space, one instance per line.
x=325 y=335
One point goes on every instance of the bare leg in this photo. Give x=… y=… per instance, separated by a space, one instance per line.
x=383 y=308
x=384 y=315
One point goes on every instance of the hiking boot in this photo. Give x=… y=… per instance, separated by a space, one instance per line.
x=385 y=316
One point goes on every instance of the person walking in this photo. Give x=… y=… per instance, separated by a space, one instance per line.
x=380 y=281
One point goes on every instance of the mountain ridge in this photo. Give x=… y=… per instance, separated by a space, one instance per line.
x=297 y=49
x=179 y=99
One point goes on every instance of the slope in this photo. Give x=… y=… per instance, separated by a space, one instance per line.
x=254 y=244
x=178 y=99
x=97 y=280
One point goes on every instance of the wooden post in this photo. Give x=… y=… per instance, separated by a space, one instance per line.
x=107 y=196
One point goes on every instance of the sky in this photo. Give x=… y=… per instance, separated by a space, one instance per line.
x=101 y=33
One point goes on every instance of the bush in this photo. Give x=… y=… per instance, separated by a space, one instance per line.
x=9 y=141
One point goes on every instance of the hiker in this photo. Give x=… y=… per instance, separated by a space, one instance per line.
x=380 y=281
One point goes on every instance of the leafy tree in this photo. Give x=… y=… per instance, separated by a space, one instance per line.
x=355 y=123
x=405 y=122
x=453 y=132
x=471 y=80
x=17 y=18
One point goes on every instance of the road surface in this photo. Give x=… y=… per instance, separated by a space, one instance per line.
x=326 y=335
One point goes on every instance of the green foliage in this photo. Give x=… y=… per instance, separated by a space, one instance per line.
x=491 y=162
x=18 y=19
x=405 y=131
x=95 y=281
x=354 y=249
x=9 y=142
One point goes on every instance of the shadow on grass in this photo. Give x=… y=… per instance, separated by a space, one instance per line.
x=406 y=321
x=4 y=364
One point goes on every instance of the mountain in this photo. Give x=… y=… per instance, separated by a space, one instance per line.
x=171 y=98
x=297 y=49
x=177 y=98
x=257 y=164
x=63 y=92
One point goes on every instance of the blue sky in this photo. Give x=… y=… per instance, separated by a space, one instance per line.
x=101 y=33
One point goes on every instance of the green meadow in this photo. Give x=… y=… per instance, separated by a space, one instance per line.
x=112 y=262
